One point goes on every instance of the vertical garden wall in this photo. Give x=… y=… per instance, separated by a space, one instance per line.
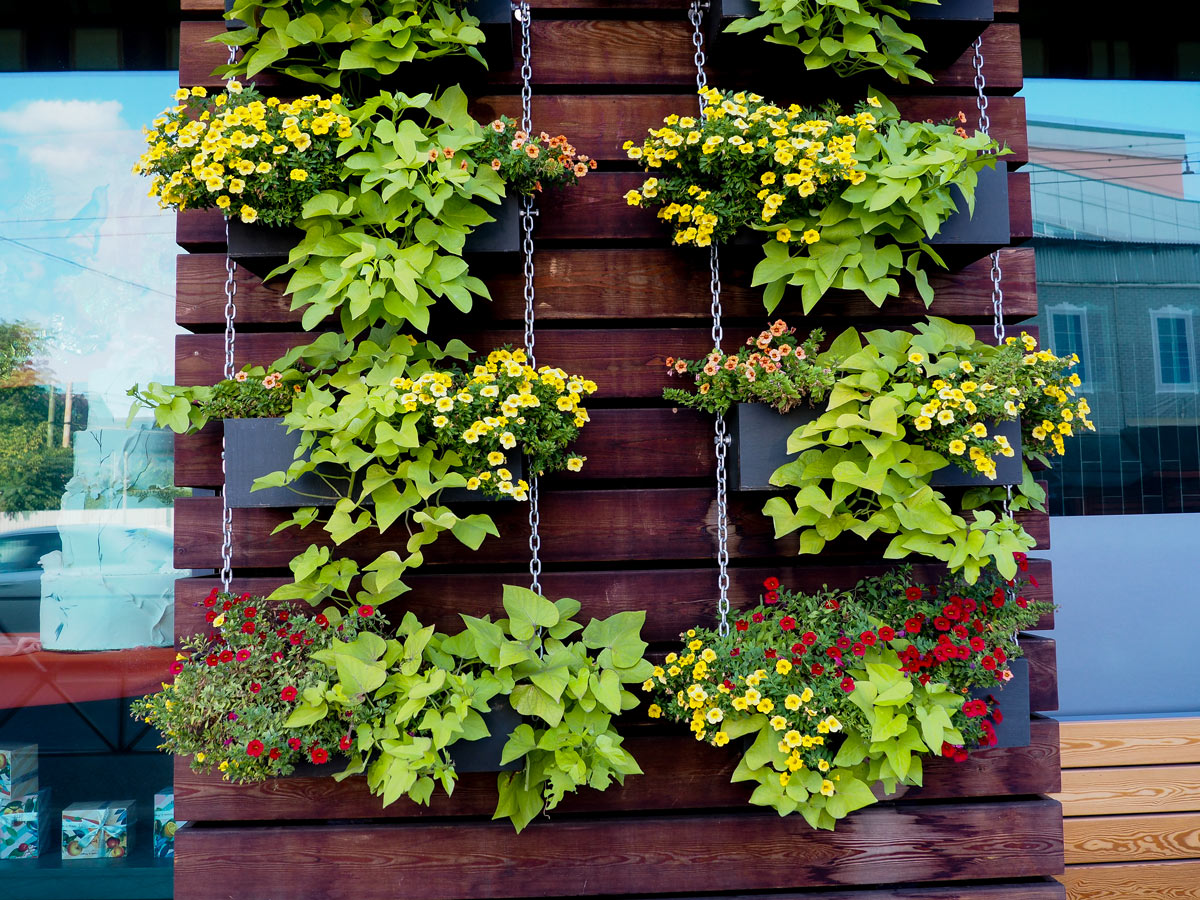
x=636 y=529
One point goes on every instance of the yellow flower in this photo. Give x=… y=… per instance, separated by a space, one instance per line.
x=695 y=645
x=495 y=458
x=979 y=430
x=182 y=94
x=473 y=484
x=784 y=778
x=219 y=621
x=249 y=214
x=792 y=738
x=958 y=448
x=234 y=87
x=783 y=666
x=440 y=421
x=806 y=695
x=633 y=198
x=740 y=704
x=648 y=685
x=575 y=463
x=923 y=423
x=778 y=723
x=792 y=702
x=783 y=234
x=720 y=739
x=299 y=175
x=709 y=655
x=827 y=787
x=201 y=756
x=654 y=711
x=714 y=716
x=874 y=101
x=916 y=358
x=823 y=765
x=768 y=178
x=811 y=236
x=765 y=705
x=223 y=202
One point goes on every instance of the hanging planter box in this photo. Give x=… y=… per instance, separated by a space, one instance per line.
x=495 y=21
x=257 y=447
x=947 y=29
x=1013 y=703
x=484 y=754
x=759 y=446
x=260 y=248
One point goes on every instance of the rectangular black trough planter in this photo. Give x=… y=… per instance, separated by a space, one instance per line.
x=1013 y=702
x=257 y=447
x=261 y=248
x=759 y=447
x=495 y=21
x=484 y=754
x=947 y=29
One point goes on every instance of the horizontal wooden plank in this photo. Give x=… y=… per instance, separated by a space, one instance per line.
x=573 y=285
x=599 y=124
x=570 y=52
x=620 y=855
x=1173 y=880
x=577 y=527
x=673 y=599
x=595 y=210
x=1131 y=742
x=626 y=363
x=1130 y=789
x=1098 y=839
x=679 y=774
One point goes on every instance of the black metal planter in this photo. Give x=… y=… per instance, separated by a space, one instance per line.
x=1012 y=699
x=260 y=248
x=759 y=446
x=484 y=754
x=257 y=447
x=495 y=21
x=946 y=29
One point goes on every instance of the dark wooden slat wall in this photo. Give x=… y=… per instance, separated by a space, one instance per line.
x=635 y=530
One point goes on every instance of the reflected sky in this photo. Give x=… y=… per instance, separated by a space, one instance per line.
x=83 y=250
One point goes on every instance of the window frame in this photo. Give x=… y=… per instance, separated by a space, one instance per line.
x=1085 y=348
x=1174 y=312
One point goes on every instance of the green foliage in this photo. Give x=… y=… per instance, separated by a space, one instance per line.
x=845 y=36
x=253 y=393
x=864 y=464
x=331 y=42
x=531 y=162
x=21 y=344
x=836 y=691
x=34 y=466
x=849 y=200
x=387 y=243
x=255 y=159
x=774 y=369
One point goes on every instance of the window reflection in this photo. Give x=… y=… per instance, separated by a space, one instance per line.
x=1116 y=205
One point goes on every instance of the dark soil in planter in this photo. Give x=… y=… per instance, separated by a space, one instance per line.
x=759 y=447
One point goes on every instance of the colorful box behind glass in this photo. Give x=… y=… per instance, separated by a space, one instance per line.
x=164 y=822
x=25 y=826
x=18 y=771
x=81 y=827
x=116 y=835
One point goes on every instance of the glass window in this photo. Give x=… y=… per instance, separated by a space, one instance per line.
x=1069 y=334
x=1173 y=349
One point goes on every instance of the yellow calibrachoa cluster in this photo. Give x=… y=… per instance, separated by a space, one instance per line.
x=953 y=412
x=790 y=153
x=254 y=158
x=502 y=404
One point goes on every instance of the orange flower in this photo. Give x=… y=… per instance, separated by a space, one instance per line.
x=774 y=354
x=463 y=164
x=433 y=154
x=961 y=132
x=962 y=117
x=670 y=361
x=778 y=327
x=750 y=375
x=730 y=363
x=680 y=366
x=532 y=151
x=521 y=136
x=580 y=170
x=800 y=354
x=449 y=152
x=498 y=127
x=518 y=143
x=591 y=164
x=240 y=377
x=710 y=369
x=543 y=137
x=785 y=350
x=704 y=388
x=496 y=165
x=769 y=367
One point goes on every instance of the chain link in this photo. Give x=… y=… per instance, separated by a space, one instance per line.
x=230 y=344
x=985 y=125
x=981 y=100
x=721 y=437
x=521 y=11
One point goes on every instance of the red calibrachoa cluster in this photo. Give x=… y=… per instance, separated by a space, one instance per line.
x=235 y=688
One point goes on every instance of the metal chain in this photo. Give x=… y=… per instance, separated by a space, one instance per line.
x=521 y=11
x=230 y=344
x=985 y=125
x=720 y=435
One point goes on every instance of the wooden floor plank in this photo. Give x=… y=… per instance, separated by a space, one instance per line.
x=1131 y=742
x=618 y=855
x=1175 y=880
x=1097 y=839
x=1130 y=789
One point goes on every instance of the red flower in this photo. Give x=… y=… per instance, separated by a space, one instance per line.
x=770 y=654
x=210 y=600
x=833 y=652
x=960 y=756
x=276 y=656
x=1000 y=655
x=787 y=623
x=886 y=633
x=832 y=604
x=250 y=612
x=211 y=660
x=913 y=593
x=274 y=754
x=771 y=597
x=226 y=655
x=741 y=624
x=735 y=652
x=321 y=620
x=255 y=747
x=284 y=615
x=294 y=743
x=973 y=709
x=243 y=598
x=868 y=638
x=728 y=684
x=988 y=662
x=847 y=684
x=226 y=606
x=1022 y=561
x=247 y=628
x=809 y=638
x=288 y=693
x=176 y=667
x=843 y=642
x=941 y=623
x=912 y=626
x=255 y=687
x=817 y=669
x=859 y=648
x=366 y=610
x=1022 y=602
x=757 y=617
x=799 y=649
x=296 y=638
x=320 y=755
x=771 y=584
x=344 y=742
x=948 y=750
x=209 y=616
x=924 y=679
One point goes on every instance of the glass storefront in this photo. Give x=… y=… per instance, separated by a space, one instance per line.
x=86 y=574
